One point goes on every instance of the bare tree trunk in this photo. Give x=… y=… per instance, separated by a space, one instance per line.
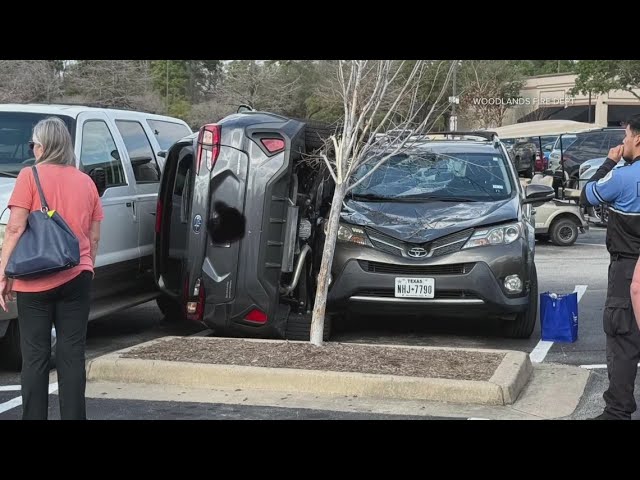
x=317 y=321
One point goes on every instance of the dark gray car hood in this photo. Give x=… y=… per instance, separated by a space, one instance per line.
x=423 y=222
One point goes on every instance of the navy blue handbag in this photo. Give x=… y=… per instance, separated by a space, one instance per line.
x=47 y=245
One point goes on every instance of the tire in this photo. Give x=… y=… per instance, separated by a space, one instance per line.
x=299 y=327
x=316 y=133
x=12 y=353
x=171 y=309
x=563 y=232
x=525 y=322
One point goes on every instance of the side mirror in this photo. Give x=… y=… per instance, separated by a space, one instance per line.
x=137 y=161
x=227 y=225
x=538 y=194
x=99 y=177
x=162 y=153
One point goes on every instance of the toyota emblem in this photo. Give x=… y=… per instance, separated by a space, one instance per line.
x=417 y=252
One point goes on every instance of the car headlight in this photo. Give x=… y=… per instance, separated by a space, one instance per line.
x=350 y=234
x=503 y=235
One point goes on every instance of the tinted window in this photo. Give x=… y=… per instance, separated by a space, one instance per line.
x=429 y=175
x=615 y=139
x=143 y=160
x=588 y=146
x=99 y=151
x=16 y=129
x=168 y=133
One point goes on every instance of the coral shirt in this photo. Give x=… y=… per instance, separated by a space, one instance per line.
x=74 y=196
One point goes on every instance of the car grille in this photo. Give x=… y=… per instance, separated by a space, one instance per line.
x=439 y=295
x=442 y=246
x=452 y=269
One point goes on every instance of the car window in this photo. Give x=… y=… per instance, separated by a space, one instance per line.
x=99 y=151
x=16 y=129
x=168 y=133
x=590 y=147
x=143 y=160
x=430 y=175
x=615 y=139
x=567 y=141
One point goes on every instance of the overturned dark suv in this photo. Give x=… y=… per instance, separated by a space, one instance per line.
x=442 y=228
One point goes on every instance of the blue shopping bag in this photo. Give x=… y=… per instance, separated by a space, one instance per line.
x=559 y=317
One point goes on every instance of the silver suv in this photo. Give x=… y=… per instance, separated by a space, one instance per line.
x=123 y=151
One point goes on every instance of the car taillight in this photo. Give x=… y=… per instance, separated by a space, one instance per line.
x=159 y=216
x=208 y=146
x=273 y=145
x=195 y=309
x=257 y=316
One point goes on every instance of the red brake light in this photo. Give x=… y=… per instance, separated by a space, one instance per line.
x=273 y=144
x=257 y=316
x=208 y=146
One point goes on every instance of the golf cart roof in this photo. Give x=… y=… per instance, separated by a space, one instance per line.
x=543 y=128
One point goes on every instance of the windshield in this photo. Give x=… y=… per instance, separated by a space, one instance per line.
x=426 y=175
x=15 y=133
x=567 y=140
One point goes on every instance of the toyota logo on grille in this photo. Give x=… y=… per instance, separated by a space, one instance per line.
x=417 y=252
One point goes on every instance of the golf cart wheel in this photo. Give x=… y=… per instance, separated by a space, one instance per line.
x=563 y=232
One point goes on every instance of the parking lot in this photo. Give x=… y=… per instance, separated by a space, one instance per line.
x=582 y=267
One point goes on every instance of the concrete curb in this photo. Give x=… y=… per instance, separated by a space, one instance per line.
x=502 y=388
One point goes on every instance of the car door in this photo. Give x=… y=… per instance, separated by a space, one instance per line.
x=146 y=180
x=118 y=253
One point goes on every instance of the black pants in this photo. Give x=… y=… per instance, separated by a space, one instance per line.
x=623 y=340
x=66 y=307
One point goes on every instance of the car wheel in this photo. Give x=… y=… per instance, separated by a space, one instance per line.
x=564 y=232
x=12 y=352
x=525 y=322
x=170 y=308
x=299 y=327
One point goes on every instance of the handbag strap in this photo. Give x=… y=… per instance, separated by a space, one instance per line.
x=43 y=201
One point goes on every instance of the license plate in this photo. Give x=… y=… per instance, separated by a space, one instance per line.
x=415 y=287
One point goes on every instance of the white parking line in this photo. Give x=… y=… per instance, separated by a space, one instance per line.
x=539 y=353
x=16 y=402
x=592 y=244
x=595 y=367
x=10 y=388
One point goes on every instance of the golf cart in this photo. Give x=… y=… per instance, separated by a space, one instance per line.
x=559 y=220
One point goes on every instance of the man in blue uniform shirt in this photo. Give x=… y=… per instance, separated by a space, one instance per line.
x=620 y=190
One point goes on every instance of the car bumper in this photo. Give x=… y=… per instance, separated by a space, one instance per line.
x=467 y=283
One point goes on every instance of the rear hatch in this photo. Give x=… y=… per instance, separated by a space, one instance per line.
x=246 y=162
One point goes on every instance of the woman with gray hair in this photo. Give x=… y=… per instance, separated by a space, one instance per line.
x=62 y=298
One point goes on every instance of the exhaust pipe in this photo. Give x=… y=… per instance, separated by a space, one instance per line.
x=296 y=276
